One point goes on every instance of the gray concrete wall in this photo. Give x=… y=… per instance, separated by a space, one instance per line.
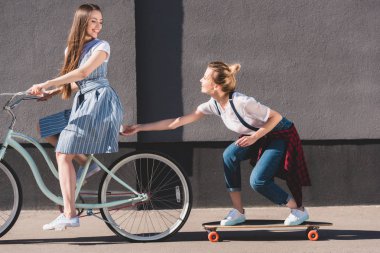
x=316 y=62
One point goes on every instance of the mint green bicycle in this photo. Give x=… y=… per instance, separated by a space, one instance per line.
x=142 y=197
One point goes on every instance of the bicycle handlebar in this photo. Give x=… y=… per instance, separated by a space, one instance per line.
x=15 y=94
x=26 y=94
x=10 y=105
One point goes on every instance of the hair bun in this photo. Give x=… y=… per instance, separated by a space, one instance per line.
x=234 y=68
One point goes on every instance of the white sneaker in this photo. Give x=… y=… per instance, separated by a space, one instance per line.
x=61 y=223
x=92 y=169
x=234 y=217
x=296 y=217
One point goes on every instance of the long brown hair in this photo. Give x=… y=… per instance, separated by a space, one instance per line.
x=75 y=42
x=224 y=75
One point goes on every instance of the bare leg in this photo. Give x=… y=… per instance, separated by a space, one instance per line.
x=67 y=181
x=238 y=204
x=79 y=158
x=50 y=139
x=293 y=205
x=236 y=201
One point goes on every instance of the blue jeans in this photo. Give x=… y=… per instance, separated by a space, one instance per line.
x=262 y=175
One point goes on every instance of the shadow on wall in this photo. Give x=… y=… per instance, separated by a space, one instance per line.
x=158 y=65
x=159 y=80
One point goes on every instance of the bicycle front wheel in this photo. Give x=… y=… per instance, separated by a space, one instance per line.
x=167 y=187
x=10 y=198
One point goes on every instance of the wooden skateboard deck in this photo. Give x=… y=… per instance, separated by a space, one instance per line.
x=311 y=227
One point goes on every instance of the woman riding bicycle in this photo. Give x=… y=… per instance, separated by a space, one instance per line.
x=96 y=112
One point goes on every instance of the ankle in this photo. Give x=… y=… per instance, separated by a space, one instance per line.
x=240 y=209
x=70 y=215
x=292 y=204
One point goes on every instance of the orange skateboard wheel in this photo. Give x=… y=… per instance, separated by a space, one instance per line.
x=213 y=236
x=313 y=235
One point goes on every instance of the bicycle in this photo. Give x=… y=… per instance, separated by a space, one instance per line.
x=143 y=197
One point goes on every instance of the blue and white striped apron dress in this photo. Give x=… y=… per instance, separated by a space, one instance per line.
x=95 y=118
x=54 y=124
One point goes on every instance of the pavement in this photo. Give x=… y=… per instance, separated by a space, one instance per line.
x=356 y=229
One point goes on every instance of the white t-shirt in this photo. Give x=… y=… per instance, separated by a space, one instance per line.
x=254 y=113
x=101 y=46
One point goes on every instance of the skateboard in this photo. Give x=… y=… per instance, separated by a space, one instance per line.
x=311 y=227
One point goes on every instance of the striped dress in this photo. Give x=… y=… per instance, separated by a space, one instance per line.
x=53 y=125
x=96 y=114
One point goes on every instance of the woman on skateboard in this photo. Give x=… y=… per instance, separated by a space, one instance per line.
x=280 y=151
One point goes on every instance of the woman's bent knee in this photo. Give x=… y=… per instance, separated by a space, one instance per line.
x=232 y=154
x=64 y=157
x=227 y=156
x=257 y=186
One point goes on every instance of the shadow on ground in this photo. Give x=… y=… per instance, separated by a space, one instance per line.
x=257 y=235
x=280 y=235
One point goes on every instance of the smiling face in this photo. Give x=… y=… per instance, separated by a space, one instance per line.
x=94 y=25
x=207 y=85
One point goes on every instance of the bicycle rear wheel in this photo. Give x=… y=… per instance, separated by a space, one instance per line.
x=168 y=206
x=10 y=198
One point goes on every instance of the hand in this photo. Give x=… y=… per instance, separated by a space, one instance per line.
x=246 y=141
x=129 y=130
x=46 y=95
x=36 y=89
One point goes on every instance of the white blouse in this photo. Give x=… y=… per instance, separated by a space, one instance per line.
x=102 y=45
x=249 y=109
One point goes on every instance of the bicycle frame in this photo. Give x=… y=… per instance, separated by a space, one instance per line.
x=10 y=140
x=156 y=207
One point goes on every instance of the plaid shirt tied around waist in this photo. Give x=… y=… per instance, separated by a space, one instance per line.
x=294 y=169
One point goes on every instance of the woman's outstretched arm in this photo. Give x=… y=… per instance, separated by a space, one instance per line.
x=166 y=124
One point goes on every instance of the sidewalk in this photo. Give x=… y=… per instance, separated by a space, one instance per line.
x=356 y=229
